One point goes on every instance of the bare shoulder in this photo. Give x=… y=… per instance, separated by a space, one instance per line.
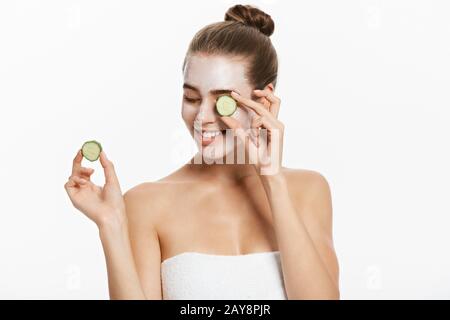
x=143 y=203
x=306 y=182
x=147 y=201
x=146 y=194
x=311 y=194
x=150 y=201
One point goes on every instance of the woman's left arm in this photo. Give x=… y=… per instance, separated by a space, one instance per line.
x=303 y=228
x=309 y=262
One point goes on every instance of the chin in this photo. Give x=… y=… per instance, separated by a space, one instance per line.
x=217 y=151
x=213 y=153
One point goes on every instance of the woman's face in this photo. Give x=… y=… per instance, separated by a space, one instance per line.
x=206 y=77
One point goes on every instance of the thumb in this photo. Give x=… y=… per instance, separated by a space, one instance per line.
x=234 y=124
x=108 y=167
x=242 y=134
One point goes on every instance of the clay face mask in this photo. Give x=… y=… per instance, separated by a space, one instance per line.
x=208 y=81
x=213 y=76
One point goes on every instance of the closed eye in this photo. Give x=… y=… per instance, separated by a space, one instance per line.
x=191 y=99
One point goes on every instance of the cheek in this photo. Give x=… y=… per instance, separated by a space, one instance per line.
x=188 y=113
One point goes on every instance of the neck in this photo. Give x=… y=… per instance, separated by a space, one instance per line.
x=223 y=171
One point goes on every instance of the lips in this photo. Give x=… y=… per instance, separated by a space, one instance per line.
x=208 y=136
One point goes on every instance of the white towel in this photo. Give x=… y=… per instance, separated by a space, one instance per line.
x=193 y=275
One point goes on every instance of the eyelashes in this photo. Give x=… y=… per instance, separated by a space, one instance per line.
x=191 y=100
x=194 y=100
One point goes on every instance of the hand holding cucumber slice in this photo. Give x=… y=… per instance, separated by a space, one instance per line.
x=226 y=105
x=91 y=150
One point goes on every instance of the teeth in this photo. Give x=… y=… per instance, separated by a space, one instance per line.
x=209 y=134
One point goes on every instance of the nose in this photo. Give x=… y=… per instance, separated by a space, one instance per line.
x=206 y=112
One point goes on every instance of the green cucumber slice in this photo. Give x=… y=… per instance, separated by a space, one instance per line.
x=226 y=106
x=91 y=150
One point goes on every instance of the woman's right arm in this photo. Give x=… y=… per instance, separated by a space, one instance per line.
x=123 y=279
x=121 y=231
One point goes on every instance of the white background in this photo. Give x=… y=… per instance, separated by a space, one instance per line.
x=365 y=100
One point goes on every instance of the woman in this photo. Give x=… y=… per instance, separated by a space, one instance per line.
x=219 y=228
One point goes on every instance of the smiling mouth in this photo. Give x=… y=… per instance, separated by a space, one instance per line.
x=208 y=137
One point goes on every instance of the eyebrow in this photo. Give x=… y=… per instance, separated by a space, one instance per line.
x=214 y=92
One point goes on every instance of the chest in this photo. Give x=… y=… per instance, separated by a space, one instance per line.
x=219 y=220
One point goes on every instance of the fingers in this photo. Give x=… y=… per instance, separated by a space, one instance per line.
x=257 y=107
x=275 y=102
x=234 y=124
x=86 y=171
x=249 y=141
x=77 y=169
x=78 y=180
x=74 y=182
x=70 y=183
x=271 y=122
x=256 y=124
x=268 y=123
x=108 y=167
x=241 y=133
x=76 y=164
x=268 y=94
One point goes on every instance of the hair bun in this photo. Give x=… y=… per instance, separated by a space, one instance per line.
x=251 y=16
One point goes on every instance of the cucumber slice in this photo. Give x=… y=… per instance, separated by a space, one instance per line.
x=226 y=106
x=91 y=150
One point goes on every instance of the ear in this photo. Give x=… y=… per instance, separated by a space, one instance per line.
x=270 y=87
x=263 y=100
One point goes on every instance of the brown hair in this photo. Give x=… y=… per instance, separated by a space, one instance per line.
x=245 y=33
